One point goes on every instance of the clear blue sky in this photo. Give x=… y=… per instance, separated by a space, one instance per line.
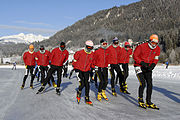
x=46 y=17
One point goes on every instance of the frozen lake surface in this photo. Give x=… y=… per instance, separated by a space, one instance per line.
x=17 y=104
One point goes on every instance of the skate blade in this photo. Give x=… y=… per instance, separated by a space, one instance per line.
x=58 y=94
x=89 y=104
x=144 y=107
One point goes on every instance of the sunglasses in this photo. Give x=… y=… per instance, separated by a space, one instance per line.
x=116 y=43
x=89 y=47
x=154 y=43
x=104 y=43
x=62 y=46
x=127 y=46
x=41 y=48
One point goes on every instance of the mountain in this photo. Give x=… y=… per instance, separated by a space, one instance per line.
x=22 y=38
x=136 y=21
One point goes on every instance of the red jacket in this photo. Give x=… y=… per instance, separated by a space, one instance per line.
x=83 y=61
x=29 y=59
x=114 y=54
x=43 y=59
x=144 y=53
x=101 y=57
x=125 y=55
x=58 y=57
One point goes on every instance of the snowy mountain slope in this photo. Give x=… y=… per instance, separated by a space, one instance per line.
x=24 y=104
x=22 y=38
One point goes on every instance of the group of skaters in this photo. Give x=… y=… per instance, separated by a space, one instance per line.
x=90 y=64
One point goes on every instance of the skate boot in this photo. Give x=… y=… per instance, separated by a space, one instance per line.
x=99 y=96
x=151 y=105
x=104 y=95
x=123 y=90
x=88 y=101
x=41 y=90
x=78 y=96
x=58 y=91
x=125 y=86
x=141 y=103
x=31 y=86
x=54 y=85
x=22 y=87
x=114 y=92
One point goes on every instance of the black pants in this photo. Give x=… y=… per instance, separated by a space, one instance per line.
x=84 y=81
x=35 y=73
x=43 y=71
x=102 y=73
x=145 y=77
x=14 y=67
x=31 y=70
x=119 y=74
x=51 y=71
x=65 y=69
x=125 y=71
x=71 y=73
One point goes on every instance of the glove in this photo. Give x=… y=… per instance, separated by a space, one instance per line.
x=151 y=67
x=96 y=68
x=145 y=65
x=49 y=67
x=26 y=66
x=109 y=67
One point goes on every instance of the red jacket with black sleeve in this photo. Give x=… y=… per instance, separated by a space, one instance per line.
x=43 y=59
x=29 y=58
x=58 y=57
x=114 y=54
x=144 y=53
x=101 y=57
x=125 y=55
x=83 y=61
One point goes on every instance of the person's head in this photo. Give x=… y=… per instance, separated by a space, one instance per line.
x=153 y=41
x=115 y=42
x=31 y=47
x=103 y=43
x=127 y=45
x=89 y=45
x=62 y=46
x=42 y=49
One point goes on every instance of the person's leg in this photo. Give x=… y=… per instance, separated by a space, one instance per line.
x=126 y=74
x=148 y=78
x=120 y=75
x=99 y=74
x=25 y=76
x=71 y=73
x=59 y=74
x=105 y=82
x=49 y=75
x=32 y=75
x=112 y=79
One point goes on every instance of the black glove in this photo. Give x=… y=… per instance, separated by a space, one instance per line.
x=145 y=65
x=151 y=67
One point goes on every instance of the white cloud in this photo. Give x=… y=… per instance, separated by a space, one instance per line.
x=26 y=29
x=32 y=23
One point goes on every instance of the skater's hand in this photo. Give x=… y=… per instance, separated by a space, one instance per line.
x=49 y=66
x=26 y=66
x=151 y=67
x=109 y=67
x=96 y=68
x=144 y=64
